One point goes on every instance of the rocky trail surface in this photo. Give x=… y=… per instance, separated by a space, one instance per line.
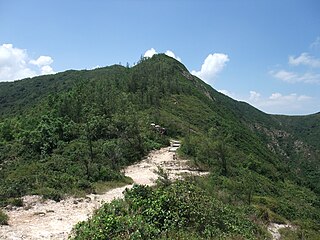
x=47 y=219
x=274 y=228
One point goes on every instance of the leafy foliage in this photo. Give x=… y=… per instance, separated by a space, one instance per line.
x=3 y=218
x=148 y=213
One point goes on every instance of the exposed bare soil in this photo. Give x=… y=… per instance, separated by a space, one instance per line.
x=274 y=228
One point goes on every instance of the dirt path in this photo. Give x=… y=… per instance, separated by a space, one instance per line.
x=54 y=220
x=274 y=228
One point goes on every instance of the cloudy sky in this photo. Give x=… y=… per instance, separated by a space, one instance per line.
x=266 y=53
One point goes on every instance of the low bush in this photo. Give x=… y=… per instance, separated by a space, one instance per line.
x=165 y=212
x=50 y=193
x=3 y=218
x=268 y=216
x=18 y=202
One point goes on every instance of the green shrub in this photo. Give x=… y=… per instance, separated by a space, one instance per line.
x=152 y=145
x=159 y=213
x=267 y=216
x=297 y=234
x=3 y=218
x=50 y=193
x=84 y=184
x=18 y=202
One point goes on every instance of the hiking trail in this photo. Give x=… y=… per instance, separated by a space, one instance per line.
x=47 y=219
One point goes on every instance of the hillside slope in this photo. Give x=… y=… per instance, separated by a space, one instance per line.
x=63 y=133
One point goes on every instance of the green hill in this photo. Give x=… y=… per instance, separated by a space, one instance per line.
x=62 y=133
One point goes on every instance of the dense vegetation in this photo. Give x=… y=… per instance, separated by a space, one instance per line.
x=178 y=211
x=67 y=144
x=63 y=133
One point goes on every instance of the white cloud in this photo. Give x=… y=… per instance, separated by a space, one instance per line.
x=278 y=103
x=309 y=78
x=275 y=96
x=149 y=53
x=171 y=54
x=254 y=96
x=304 y=59
x=284 y=75
x=308 y=71
x=16 y=64
x=290 y=100
x=315 y=44
x=211 y=66
x=304 y=98
x=46 y=70
x=13 y=63
x=292 y=77
x=42 y=61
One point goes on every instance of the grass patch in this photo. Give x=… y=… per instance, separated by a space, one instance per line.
x=297 y=234
x=102 y=187
x=267 y=215
x=50 y=193
x=17 y=202
x=3 y=218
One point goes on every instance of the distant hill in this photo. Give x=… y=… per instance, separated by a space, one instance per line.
x=62 y=133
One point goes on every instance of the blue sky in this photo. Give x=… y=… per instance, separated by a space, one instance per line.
x=264 y=52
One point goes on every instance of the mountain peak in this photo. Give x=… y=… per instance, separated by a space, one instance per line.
x=162 y=58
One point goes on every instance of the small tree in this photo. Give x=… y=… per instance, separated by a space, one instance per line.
x=221 y=151
x=249 y=184
x=163 y=177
